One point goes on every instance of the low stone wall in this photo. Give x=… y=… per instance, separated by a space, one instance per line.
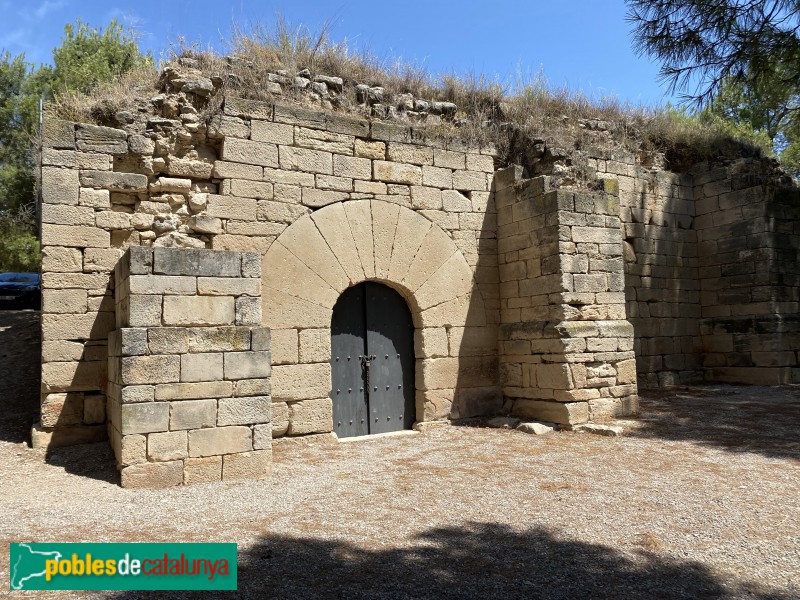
x=189 y=368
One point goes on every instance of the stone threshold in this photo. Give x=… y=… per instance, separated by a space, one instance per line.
x=375 y=436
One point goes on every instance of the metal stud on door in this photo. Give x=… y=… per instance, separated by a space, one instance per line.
x=375 y=321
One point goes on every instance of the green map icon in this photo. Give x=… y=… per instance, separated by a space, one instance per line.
x=27 y=565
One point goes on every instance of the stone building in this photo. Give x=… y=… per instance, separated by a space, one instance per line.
x=278 y=270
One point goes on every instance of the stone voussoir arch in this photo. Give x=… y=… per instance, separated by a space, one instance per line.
x=323 y=253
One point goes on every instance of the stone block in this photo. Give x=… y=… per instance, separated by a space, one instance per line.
x=188 y=391
x=448 y=159
x=250 y=152
x=219 y=339
x=162 y=447
x=626 y=371
x=192 y=414
x=137 y=393
x=196 y=262
x=409 y=153
x=58 y=410
x=70 y=435
x=252 y=387
x=89 y=326
x=308 y=161
x=113 y=181
x=132 y=450
x=318 y=198
x=59 y=186
x=251 y=189
x=64 y=301
x=152 y=475
x=284 y=346
x=310 y=416
x=58 y=259
x=315 y=345
x=74 y=236
x=260 y=338
x=327 y=141
x=392 y=172
x=219 y=440
x=280 y=419
x=469 y=180
x=244 y=411
x=274 y=133
x=199 y=310
x=133 y=341
x=247 y=465
x=150 y=369
x=202 y=470
x=66 y=214
x=144 y=311
x=105 y=140
x=100 y=260
x=366 y=149
x=145 y=417
x=164 y=340
x=248 y=109
x=564 y=413
x=201 y=367
x=248 y=311
x=94 y=409
x=431 y=342
x=299 y=382
x=477 y=402
x=247 y=365
x=57 y=133
x=228 y=286
x=262 y=437
x=230 y=207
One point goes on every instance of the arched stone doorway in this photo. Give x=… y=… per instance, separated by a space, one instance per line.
x=372 y=361
x=335 y=248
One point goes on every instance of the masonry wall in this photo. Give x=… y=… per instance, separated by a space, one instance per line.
x=329 y=200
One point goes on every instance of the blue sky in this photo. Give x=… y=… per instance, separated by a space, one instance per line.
x=584 y=44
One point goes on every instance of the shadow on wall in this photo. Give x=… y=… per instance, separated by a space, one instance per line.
x=474 y=342
x=738 y=419
x=478 y=560
x=662 y=286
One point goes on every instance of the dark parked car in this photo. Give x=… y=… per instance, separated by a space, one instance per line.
x=20 y=290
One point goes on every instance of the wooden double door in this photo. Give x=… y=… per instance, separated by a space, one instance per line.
x=372 y=361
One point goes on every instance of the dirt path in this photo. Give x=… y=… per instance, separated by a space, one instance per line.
x=699 y=500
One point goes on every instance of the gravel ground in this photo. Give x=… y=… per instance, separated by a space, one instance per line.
x=698 y=500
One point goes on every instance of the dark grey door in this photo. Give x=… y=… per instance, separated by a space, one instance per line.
x=372 y=360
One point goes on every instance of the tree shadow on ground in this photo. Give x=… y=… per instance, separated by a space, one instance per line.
x=478 y=560
x=763 y=420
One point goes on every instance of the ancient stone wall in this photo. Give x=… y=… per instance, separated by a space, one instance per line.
x=531 y=304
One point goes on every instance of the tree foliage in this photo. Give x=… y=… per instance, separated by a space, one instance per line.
x=87 y=57
x=703 y=44
x=738 y=60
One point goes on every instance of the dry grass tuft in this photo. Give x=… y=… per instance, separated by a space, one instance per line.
x=649 y=542
x=504 y=115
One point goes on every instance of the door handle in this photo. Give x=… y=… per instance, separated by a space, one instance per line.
x=366 y=361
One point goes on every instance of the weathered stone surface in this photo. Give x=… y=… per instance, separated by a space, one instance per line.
x=62 y=409
x=113 y=181
x=219 y=440
x=152 y=475
x=57 y=133
x=247 y=365
x=244 y=411
x=566 y=413
x=536 y=428
x=167 y=446
x=64 y=301
x=229 y=207
x=247 y=465
x=310 y=416
x=248 y=311
x=309 y=161
x=397 y=172
x=145 y=417
x=201 y=367
x=299 y=382
x=94 y=138
x=199 y=310
x=193 y=414
x=94 y=409
x=250 y=152
x=74 y=236
x=202 y=470
x=218 y=339
x=228 y=286
x=184 y=391
x=150 y=369
x=597 y=429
